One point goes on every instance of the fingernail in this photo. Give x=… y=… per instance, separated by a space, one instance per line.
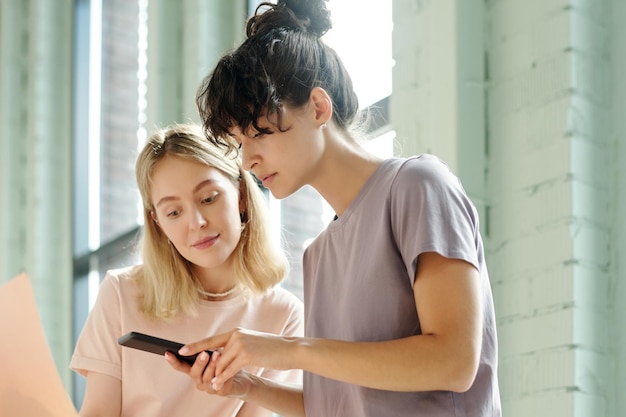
x=204 y=356
x=184 y=350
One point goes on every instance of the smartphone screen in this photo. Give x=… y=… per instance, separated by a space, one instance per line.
x=155 y=345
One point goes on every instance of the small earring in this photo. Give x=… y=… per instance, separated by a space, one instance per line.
x=323 y=126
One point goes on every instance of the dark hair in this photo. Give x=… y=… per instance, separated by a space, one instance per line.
x=280 y=62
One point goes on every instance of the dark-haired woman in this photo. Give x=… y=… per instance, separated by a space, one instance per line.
x=399 y=317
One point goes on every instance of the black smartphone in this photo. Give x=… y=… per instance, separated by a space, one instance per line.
x=154 y=345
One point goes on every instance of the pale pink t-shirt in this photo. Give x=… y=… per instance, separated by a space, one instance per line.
x=150 y=386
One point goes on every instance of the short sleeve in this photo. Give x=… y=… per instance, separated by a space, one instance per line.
x=430 y=212
x=97 y=349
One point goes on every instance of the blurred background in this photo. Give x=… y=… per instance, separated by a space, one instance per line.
x=524 y=99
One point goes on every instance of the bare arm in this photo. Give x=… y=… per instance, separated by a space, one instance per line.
x=256 y=391
x=444 y=357
x=282 y=399
x=103 y=396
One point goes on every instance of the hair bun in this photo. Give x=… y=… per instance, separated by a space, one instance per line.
x=310 y=16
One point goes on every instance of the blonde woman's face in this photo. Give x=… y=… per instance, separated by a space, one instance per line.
x=197 y=207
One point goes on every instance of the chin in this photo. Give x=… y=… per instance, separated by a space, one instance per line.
x=208 y=262
x=276 y=195
x=279 y=194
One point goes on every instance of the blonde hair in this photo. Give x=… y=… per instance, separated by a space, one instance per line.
x=168 y=285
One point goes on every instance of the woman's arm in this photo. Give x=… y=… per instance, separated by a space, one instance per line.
x=256 y=391
x=280 y=398
x=103 y=396
x=448 y=295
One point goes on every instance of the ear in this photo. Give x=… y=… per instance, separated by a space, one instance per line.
x=322 y=105
x=154 y=218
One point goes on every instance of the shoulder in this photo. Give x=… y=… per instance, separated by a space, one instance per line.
x=414 y=172
x=424 y=168
x=281 y=295
x=428 y=186
x=121 y=279
x=424 y=175
x=280 y=298
x=276 y=311
x=125 y=273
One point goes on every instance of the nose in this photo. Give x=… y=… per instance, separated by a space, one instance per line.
x=198 y=221
x=249 y=158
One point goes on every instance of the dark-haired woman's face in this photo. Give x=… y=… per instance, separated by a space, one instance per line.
x=283 y=160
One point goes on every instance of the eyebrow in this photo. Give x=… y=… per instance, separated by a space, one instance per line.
x=198 y=187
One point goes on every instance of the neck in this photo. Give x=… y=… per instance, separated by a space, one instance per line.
x=354 y=167
x=220 y=279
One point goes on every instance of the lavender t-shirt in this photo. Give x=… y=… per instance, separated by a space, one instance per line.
x=358 y=285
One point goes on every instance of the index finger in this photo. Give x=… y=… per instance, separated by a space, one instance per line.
x=209 y=343
x=177 y=363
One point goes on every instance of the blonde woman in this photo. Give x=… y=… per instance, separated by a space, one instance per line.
x=209 y=264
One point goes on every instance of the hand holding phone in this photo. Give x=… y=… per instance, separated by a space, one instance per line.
x=155 y=345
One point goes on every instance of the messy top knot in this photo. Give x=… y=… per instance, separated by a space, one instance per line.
x=307 y=16
x=279 y=63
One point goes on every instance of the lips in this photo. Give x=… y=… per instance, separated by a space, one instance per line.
x=267 y=180
x=206 y=242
